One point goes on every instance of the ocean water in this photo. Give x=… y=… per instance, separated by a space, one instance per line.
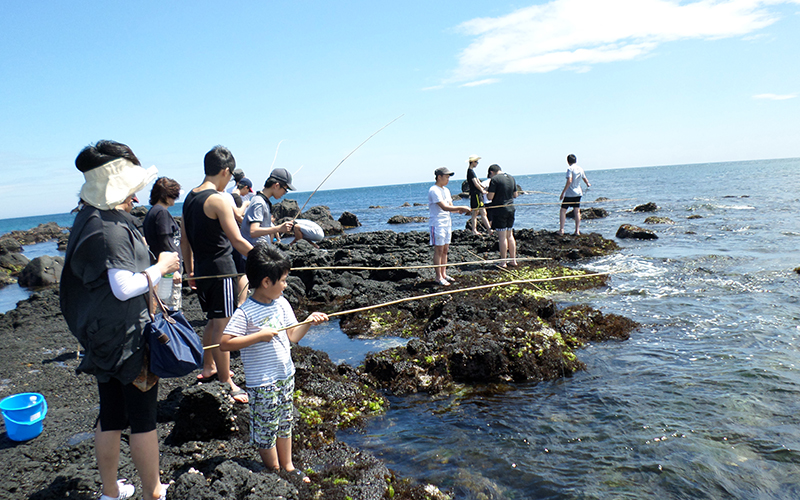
x=701 y=402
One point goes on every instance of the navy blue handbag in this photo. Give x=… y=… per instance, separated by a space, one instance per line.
x=175 y=348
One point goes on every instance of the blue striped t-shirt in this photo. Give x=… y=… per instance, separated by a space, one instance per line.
x=264 y=362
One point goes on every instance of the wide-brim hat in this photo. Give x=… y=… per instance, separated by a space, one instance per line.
x=110 y=184
x=473 y=158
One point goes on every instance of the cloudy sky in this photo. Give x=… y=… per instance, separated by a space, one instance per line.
x=620 y=83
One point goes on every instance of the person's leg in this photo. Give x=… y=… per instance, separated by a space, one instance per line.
x=562 y=219
x=243 y=287
x=106 y=449
x=474 y=222
x=144 y=451
x=485 y=220
x=222 y=359
x=270 y=458
x=446 y=252
x=438 y=252
x=577 y=221
x=512 y=247
x=503 y=244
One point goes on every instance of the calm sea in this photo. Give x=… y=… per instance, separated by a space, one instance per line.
x=701 y=402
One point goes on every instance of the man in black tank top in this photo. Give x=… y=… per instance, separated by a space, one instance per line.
x=210 y=233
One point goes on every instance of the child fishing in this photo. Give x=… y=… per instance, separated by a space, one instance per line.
x=258 y=330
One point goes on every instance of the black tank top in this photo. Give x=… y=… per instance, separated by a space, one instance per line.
x=211 y=248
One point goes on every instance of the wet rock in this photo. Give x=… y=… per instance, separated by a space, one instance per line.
x=647 y=207
x=402 y=219
x=229 y=479
x=416 y=204
x=42 y=271
x=286 y=208
x=406 y=204
x=658 y=220
x=9 y=245
x=139 y=211
x=602 y=199
x=205 y=412
x=589 y=213
x=630 y=231
x=695 y=216
x=13 y=262
x=43 y=232
x=376 y=206
x=322 y=216
x=348 y=220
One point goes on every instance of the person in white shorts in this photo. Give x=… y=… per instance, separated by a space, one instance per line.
x=441 y=204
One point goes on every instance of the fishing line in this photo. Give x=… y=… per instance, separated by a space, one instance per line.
x=340 y=163
x=276 y=155
x=438 y=294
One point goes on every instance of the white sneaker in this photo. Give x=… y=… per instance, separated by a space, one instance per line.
x=163 y=491
x=125 y=491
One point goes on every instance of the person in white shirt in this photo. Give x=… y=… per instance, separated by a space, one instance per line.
x=440 y=204
x=571 y=194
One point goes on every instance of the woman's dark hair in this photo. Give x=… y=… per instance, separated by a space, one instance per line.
x=93 y=156
x=164 y=189
x=266 y=261
x=217 y=159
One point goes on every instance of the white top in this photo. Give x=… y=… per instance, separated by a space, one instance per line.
x=439 y=217
x=574 y=188
x=310 y=229
x=264 y=362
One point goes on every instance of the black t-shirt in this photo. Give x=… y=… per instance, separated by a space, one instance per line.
x=161 y=231
x=503 y=187
x=110 y=330
x=470 y=176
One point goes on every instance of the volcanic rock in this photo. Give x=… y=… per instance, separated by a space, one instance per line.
x=658 y=220
x=630 y=231
x=589 y=213
x=647 y=207
x=348 y=220
x=42 y=271
x=402 y=219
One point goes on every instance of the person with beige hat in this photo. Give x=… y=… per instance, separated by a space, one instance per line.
x=103 y=299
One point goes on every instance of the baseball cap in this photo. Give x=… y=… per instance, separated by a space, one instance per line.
x=245 y=182
x=443 y=171
x=284 y=177
x=238 y=174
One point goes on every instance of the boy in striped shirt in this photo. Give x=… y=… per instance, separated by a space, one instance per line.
x=266 y=354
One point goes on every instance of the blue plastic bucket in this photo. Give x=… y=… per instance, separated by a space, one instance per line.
x=23 y=415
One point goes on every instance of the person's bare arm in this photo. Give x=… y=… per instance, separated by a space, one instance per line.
x=238 y=342
x=452 y=208
x=217 y=207
x=186 y=251
x=564 y=191
x=256 y=231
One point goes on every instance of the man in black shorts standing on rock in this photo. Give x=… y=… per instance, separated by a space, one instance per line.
x=502 y=191
x=209 y=229
x=476 y=190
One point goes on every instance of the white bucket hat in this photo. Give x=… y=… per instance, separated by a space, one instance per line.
x=110 y=184
x=473 y=158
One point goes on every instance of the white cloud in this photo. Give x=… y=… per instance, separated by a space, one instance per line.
x=775 y=97
x=487 y=81
x=575 y=34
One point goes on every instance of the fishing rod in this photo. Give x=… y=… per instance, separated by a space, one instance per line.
x=487 y=207
x=276 y=155
x=340 y=163
x=387 y=268
x=437 y=294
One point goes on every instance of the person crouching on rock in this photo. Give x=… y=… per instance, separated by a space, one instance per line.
x=266 y=354
x=440 y=204
x=103 y=299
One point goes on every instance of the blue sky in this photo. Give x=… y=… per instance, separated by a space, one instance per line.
x=620 y=83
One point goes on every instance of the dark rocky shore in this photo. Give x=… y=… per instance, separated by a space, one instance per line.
x=494 y=334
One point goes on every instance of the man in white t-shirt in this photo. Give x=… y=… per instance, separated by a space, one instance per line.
x=571 y=194
x=441 y=204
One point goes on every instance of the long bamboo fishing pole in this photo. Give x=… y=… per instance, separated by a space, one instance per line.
x=437 y=294
x=549 y=203
x=340 y=163
x=385 y=268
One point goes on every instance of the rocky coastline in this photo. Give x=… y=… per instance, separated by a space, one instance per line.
x=495 y=334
